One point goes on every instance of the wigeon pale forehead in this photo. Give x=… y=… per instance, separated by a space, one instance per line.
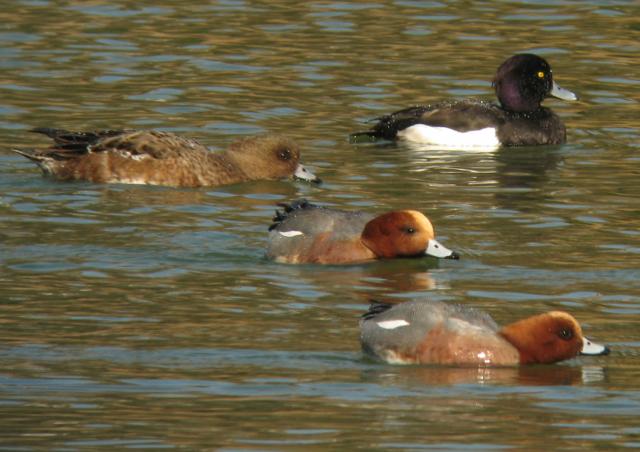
x=428 y=332
x=422 y=221
x=408 y=216
x=305 y=233
x=162 y=158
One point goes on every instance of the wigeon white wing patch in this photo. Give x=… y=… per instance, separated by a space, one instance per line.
x=290 y=233
x=449 y=138
x=392 y=324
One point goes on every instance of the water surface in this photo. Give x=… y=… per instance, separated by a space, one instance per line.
x=147 y=318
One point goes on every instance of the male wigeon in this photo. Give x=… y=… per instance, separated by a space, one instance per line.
x=521 y=84
x=431 y=332
x=305 y=233
x=162 y=158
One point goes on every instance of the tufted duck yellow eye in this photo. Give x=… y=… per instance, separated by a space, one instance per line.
x=540 y=74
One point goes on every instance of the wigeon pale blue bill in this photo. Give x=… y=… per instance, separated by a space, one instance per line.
x=162 y=158
x=432 y=332
x=305 y=233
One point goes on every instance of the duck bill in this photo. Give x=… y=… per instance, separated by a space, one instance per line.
x=302 y=173
x=561 y=93
x=591 y=348
x=436 y=249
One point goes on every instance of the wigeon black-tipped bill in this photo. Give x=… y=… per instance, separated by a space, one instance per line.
x=591 y=348
x=302 y=173
x=437 y=249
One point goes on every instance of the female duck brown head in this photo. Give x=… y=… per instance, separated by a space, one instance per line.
x=269 y=157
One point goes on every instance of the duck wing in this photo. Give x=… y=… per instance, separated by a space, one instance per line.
x=134 y=143
x=309 y=219
x=461 y=116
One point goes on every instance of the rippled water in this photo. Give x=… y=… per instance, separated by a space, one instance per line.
x=146 y=317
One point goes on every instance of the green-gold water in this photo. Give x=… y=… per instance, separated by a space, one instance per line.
x=139 y=317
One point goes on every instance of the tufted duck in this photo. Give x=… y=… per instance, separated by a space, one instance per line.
x=521 y=84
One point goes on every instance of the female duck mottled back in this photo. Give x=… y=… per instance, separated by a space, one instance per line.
x=163 y=158
x=521 y=83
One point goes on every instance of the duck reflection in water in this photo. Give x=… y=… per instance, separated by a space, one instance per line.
x=523 y=175
x=559 y=375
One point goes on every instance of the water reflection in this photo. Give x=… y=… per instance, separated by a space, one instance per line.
x=383 y=280
x=523 y=175
x=518 y=175
x=539 y=375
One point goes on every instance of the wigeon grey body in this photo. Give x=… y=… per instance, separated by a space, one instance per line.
x=306 y=233
x=163 y=158
x=432 y=332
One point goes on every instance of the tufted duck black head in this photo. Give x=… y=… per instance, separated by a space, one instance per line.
x=523 y=81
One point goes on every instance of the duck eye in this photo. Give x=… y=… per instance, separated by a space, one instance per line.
x=540 y=74
x=285 y=154
x=565 y=334
x=409 y=230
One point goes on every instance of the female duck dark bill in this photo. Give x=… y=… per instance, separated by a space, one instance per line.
x=521 y=84
x=162 y=158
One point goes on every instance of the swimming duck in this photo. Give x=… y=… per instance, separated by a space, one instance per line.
x=521 y=83
x=163 y=158
x=305 y=233
x=433 y=332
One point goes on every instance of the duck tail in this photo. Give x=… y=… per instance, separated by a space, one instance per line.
x=66 y=139
x=74 y=141
x=282 y=215
x=31 y=154
x=387 y=127
x=50 y=132
x=376 y=308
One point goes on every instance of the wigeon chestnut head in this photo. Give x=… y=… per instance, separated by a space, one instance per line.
x=162 y=158
x=431 y=332
x=305 y=233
